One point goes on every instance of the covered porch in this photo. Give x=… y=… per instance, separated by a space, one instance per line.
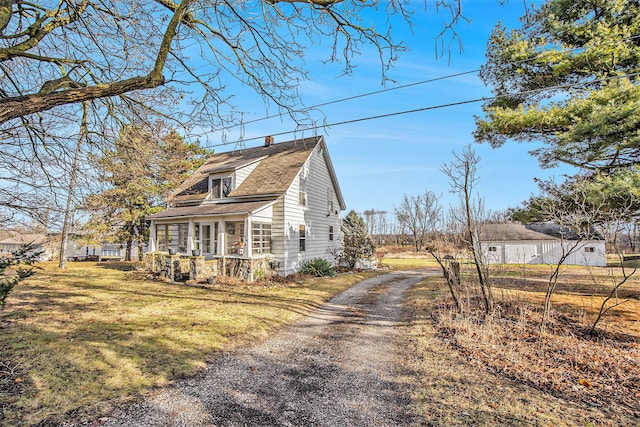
x=229 y=237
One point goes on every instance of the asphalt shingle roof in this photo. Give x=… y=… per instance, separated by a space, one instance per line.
x=279 y=165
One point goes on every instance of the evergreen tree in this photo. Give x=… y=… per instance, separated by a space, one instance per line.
x=138 y=173
x=357 y=244
x=568 y=78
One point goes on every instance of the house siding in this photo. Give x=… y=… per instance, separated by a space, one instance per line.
x=313 y=216
x=278 y=235
x=544 y=252
x=242 y=173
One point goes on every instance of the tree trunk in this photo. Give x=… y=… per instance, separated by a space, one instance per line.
x=485 y=287
x=68 y=213
x=129 y=249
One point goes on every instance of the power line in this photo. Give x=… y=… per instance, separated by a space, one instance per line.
x=433 y=107
x=435 y=79
x=350 y=98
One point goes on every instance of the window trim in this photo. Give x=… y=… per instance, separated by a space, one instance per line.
x=302 y=198
x=181 y=233
x=220 y=194
x=302 y=238
x=261 y=238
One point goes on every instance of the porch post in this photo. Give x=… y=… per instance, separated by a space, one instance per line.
x=152 y=237
x=249 y=243
x=220 y=239
x=220 y=245
x=190 y=236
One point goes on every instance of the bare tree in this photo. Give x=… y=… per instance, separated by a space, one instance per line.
x=415 y=215
x=462 y=172
x=126 y=60
x=69 y=211
x=585 y=207
x=377 y=225
x=612 y=300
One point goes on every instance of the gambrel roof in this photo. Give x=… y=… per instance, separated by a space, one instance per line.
x=278 y=166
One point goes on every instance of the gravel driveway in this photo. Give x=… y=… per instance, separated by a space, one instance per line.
x=338 y=366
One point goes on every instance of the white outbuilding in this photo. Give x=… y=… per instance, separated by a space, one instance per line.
x=540 y=243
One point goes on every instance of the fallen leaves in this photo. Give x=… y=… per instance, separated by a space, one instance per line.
x=563 y=361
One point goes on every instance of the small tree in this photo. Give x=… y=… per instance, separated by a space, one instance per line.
x=462 y=173
x=13 y=271
x=612 y=300
x=441 y=240
x=357 y=244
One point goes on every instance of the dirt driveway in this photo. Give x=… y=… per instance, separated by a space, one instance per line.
x=339 y=366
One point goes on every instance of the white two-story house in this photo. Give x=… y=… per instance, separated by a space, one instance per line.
x=278 y=202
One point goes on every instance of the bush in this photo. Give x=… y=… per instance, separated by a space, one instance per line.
x=12 y=269
x=318 y=267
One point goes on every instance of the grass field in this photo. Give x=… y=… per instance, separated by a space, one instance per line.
x=96 y=335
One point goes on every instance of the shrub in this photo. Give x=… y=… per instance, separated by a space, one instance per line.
x=12 y=269
x=318 y=267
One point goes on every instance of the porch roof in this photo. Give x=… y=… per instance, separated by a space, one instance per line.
x=213 y=209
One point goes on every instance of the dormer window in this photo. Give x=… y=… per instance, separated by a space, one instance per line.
x=221 y=187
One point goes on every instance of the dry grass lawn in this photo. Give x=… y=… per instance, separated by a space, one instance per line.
x=93 y=336
x=502 y=370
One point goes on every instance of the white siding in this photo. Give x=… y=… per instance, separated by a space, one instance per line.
x=544 y=252
x=278 y=235
x=243 y=173
x=315 y=216
x=264 y=215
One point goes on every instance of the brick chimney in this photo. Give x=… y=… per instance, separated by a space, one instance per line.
x=268 y=140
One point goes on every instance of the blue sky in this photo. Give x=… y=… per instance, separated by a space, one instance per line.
x=378 y=161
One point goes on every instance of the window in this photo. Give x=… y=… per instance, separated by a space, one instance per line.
x=589 y=249
x=172 y=236
x=302 y=195
x=234 y=238
x=221 y=187
x=210 y=239
x=110 y=252
x=261 y=238
x=196 y=235
x=303 y=238
x=329 y=202
x=493 y=249
x=331 y=232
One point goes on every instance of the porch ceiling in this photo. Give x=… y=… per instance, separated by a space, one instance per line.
x=213 y=209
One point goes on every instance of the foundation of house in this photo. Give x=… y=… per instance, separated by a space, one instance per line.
x=179 y=268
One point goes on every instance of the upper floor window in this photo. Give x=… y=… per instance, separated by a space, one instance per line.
x=302 y=192
x=329 y=202
x=493 y=249
x=589 y=249
x=221 y=187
